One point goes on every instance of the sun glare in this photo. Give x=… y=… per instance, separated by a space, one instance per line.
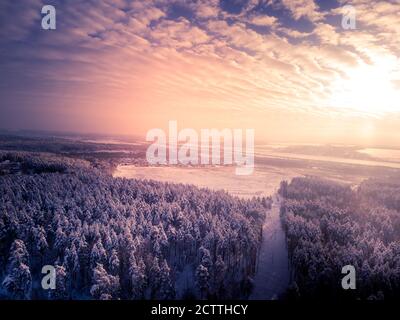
x=368 y=89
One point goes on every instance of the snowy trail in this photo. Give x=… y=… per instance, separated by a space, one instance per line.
x=272 y=275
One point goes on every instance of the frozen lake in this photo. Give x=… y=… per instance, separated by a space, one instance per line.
x=260 y=183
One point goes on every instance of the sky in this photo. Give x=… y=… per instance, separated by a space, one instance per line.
x=286 y=68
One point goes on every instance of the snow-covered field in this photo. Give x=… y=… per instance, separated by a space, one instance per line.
x=261 y=183
x=271 y=168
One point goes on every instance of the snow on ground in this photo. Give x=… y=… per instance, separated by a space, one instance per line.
x=262 y=182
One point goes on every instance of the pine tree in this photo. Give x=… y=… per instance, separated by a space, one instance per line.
x=166 y=291
x=61 y=291
x=138 y=278
x=113 y=262
x=18 y=280
x=104 y=285
x=203 y=281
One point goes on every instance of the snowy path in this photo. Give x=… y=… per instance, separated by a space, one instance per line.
x=272 y=275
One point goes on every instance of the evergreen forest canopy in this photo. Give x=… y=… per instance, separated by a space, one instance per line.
x=112 y=238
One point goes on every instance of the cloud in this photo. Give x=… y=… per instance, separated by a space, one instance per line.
x=263 y=20
x=303 y=8
x=129 y=57
x=17 y=22
x=178 y=34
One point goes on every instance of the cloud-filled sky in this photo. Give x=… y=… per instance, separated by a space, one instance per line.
x=286 y=68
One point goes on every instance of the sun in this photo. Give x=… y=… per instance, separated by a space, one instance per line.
x=368 y=88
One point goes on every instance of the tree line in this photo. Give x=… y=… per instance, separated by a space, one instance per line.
x=329 y=225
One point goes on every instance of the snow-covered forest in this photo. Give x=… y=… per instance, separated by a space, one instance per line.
x=113 y=238
x=116 y=238
x=329 y=225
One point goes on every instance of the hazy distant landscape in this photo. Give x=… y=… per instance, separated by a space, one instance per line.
x=125 y=157
x=277 y=162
